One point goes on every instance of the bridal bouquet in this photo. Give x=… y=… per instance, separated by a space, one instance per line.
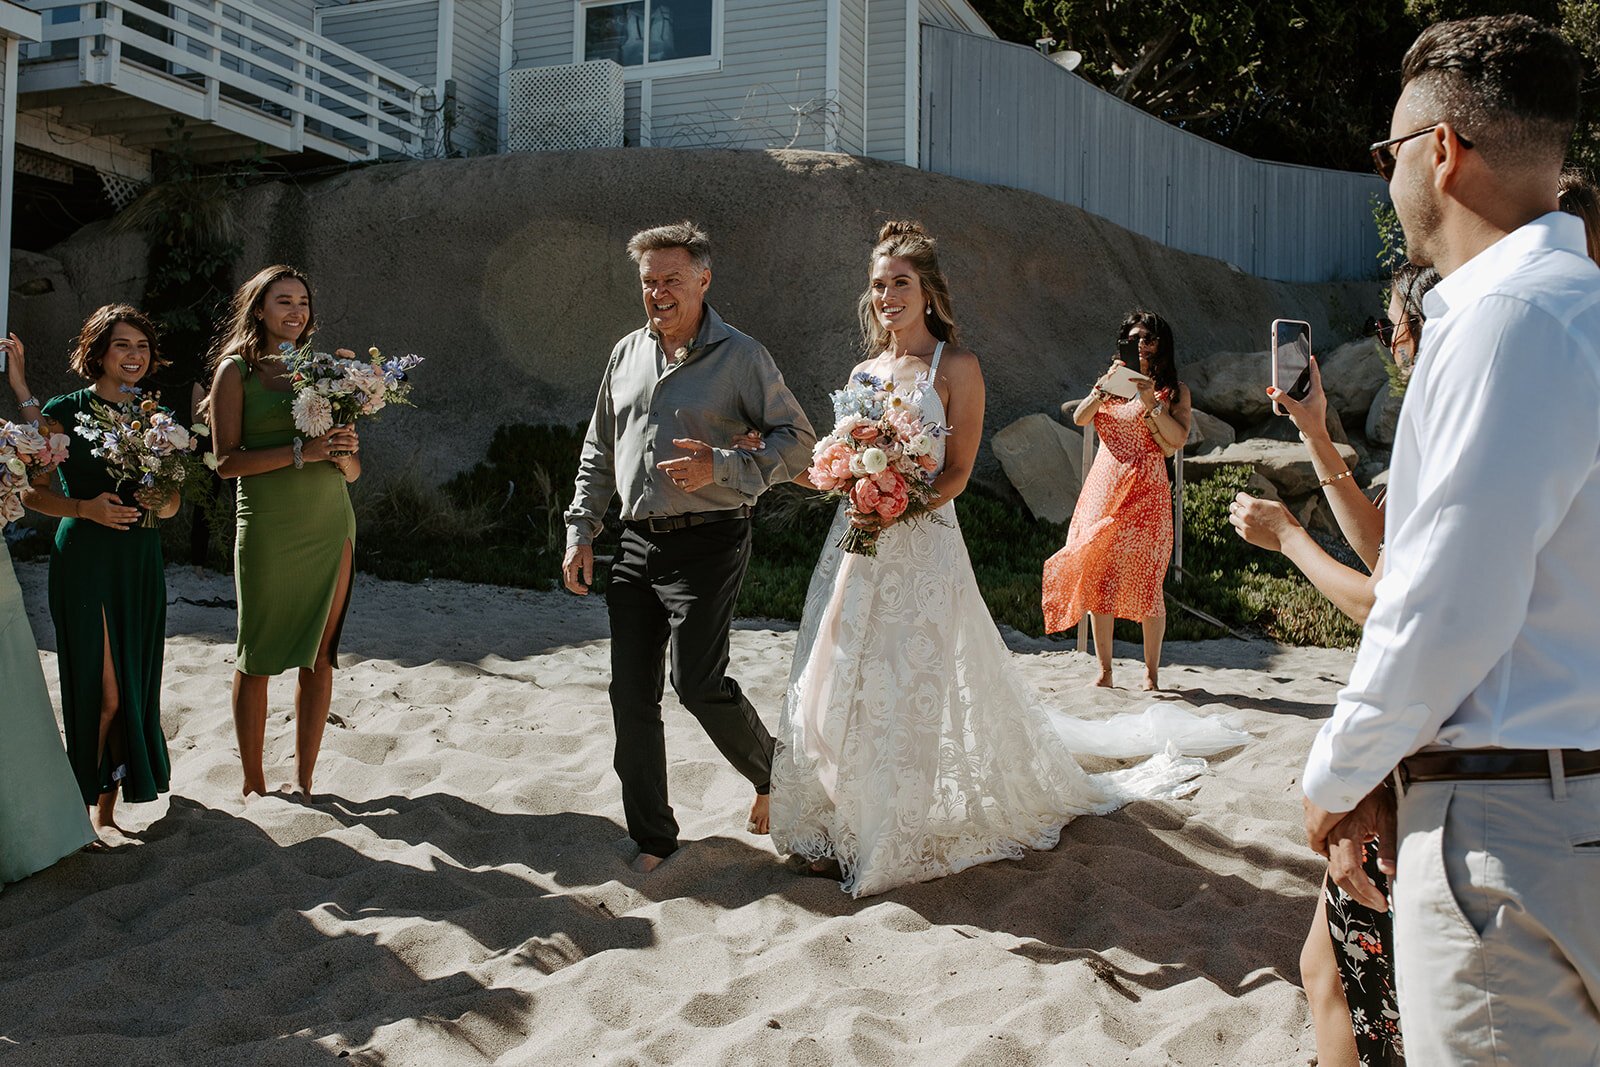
x=334 y=391
x=25 y=453
x=141 y=443
x=879 y=457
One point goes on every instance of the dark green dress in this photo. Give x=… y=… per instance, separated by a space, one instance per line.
x=293 y=526
x=97 y=572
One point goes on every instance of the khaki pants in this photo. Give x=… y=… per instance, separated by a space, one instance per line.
x=1497 y=923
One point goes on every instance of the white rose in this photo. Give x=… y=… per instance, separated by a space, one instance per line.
x=857 y=468
x=919 y=445
x=874 y=460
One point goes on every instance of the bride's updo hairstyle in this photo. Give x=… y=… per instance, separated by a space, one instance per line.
x=909 y=241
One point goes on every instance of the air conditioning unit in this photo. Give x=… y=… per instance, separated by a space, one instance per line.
x=553 y=109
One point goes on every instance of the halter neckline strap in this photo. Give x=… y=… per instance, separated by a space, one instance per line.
x=933 y=366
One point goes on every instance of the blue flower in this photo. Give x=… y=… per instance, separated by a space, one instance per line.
x=286 y=346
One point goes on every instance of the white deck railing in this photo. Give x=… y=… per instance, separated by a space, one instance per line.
x=236 y=65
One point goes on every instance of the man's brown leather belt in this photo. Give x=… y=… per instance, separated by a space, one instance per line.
x=1481 y=763
x=671 y=523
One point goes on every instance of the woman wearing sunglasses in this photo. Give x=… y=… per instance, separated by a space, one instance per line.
x=1349 y=985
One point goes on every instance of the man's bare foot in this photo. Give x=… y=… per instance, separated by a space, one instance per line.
x=760 y=817
x=1104 y=680
x=644 y=863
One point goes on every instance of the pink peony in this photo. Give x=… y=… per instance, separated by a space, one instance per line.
x=865 y=496
x=830 y=467
x=867 y=432
x=927 y=463
x=905 y=424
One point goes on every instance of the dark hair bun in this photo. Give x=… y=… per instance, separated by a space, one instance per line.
x=902 y=228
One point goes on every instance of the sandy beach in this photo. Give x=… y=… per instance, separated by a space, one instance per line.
x=458 y=892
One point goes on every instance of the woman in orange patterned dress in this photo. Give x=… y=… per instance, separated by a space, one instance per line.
x=1120 y=540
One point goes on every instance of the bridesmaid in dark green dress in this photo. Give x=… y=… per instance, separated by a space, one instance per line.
x=108 y=591
x=296 y=530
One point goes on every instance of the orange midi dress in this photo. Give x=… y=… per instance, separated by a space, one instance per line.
x=1120 y=540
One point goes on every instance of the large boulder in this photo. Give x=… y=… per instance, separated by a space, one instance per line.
x=1285 y=465
x=1044 y=462
x=1231 y=385
x=1207 y=433
x=1352 y=375
x=1383 y=416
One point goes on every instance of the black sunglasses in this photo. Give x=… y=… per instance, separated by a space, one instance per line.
x=1383 y=329
x=1383 y=151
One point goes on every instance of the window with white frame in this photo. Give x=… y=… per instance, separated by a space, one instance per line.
x=643 y=33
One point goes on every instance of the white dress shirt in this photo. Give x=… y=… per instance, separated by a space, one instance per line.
x=1486 y=627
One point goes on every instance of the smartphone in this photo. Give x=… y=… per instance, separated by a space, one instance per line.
x=1291 y=360
x=1128 y=351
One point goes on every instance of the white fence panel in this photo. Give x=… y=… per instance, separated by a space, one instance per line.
x=1001 y=113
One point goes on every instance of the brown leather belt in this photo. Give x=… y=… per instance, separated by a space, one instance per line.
x=672 y=523
x=1484 y=763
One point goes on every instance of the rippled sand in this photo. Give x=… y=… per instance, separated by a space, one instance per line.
x=459 y=890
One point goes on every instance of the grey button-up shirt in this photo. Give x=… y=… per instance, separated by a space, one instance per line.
x=727 y=384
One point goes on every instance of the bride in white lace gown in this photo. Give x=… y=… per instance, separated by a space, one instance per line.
x=909 y=748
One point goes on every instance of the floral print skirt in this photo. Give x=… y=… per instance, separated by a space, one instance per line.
x=1363 y=943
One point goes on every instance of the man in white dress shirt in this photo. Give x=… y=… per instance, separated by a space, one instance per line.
x=1477 y=685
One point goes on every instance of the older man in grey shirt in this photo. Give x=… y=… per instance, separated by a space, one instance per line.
x=674 y=395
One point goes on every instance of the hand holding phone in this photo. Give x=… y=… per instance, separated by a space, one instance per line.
x=1291 y=360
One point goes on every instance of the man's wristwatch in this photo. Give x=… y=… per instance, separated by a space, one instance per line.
x=299 y=458
x=31 y=402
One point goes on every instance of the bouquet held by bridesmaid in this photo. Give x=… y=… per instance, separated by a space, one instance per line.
x=335 y=390
x=25 y=454
x=142 y=445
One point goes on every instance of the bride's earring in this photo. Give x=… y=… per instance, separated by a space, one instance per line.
x=927 y=309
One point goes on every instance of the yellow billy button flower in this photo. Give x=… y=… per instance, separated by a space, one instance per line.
x=373 y=352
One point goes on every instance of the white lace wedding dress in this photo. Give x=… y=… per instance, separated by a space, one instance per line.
x=909 y=747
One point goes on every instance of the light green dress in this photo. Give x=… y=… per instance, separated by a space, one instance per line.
x=42 y=817
x=293 y=526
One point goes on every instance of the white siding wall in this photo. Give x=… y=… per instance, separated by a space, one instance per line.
x=541 y=32
x=938 y=13
x=475 y=66
x=765 y=44
x=632 y=106
x=852 y=76
x=402 y=37
x=300 y=12
x=886 y=80
x=774 y=57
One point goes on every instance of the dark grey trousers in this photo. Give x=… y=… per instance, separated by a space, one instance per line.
x=677 y=589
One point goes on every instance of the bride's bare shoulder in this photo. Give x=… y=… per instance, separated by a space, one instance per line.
x=960 y=361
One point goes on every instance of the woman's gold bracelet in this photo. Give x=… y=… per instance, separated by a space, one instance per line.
x=1330 y=480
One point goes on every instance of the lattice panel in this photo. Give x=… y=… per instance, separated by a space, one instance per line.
x=559 y=108
x=120 y=189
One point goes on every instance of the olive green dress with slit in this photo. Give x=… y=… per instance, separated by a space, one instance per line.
x=293 y=528
x=97 y=572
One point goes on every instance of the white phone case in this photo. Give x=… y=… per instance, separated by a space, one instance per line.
x=1119 y=383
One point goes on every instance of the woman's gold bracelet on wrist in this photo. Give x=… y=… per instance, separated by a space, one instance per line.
x=1324 y=483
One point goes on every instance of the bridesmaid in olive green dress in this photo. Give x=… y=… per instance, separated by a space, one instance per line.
x=296 y=530
x=41 y=818
x=108 y=589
